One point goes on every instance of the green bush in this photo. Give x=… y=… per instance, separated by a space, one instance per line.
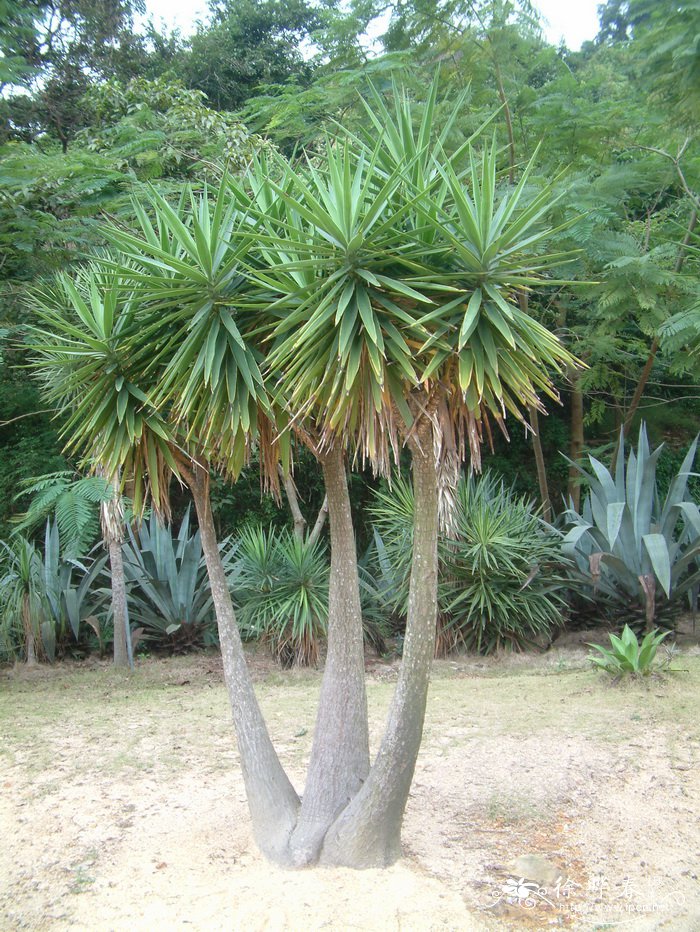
x=280 y=589
x=44 y=598
x=499 y=583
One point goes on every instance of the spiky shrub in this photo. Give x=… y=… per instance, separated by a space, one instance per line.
x=628 y=546
x=23 y=606
x=169 y=592
x=71 y=591
x=280 y=587
x=626 y=656
x=376 y=578
x=499 y=579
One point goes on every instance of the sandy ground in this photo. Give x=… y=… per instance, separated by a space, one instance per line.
x=122 y=804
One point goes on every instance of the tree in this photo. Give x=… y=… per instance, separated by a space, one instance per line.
x=60 y=46
x=391 y=319
x=250 y=42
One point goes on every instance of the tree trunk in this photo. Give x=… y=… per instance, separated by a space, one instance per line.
x=293 y=500
x=540 y=464
x=340 y=753
x=272 y=800
x=116 y=563
x=368 y=832
x=577 y=438
x=320 y=522
x=29 y=632
x=654 y=348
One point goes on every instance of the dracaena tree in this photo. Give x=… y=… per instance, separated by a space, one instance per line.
x=398 y=275
x=362 y=305
x=84 y=363
x=163 y=382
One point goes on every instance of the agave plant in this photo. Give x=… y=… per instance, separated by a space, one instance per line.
x=626 y=655
x=169 y=592
x=627 y=544
x=70 y=589
x=499 y=582
x=281 y=592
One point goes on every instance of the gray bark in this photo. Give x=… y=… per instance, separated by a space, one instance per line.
x=119 y=615
x=320 y=522
x=368 y=832
x=293 y=499
x=577 y=437
x=340 y=753
x=272 y=800
x=29 y=632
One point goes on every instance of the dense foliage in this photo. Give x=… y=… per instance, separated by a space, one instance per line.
x=501 y=582
x=98 y=113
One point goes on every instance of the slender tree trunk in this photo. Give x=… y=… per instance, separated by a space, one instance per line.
x=112 y=521
x=272 y=800
x=540 y=464
x=654 y=348
x=293 y=499
x=509 y=121
x=340 y=753
x=577 y=438
x=29 y=633
x=320 y=522
x=368 y=832
x=536 y=441
x=119 y=616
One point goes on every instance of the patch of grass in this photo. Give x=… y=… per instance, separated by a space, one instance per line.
x=512 y=809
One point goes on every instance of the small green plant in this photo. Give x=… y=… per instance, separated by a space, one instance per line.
x=626 y=656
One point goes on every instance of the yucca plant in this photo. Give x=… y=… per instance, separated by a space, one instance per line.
x=628 y=544
x=626 y=655
x=393 y=317
x=281 y=593
x=23 y=605
x=500 y=583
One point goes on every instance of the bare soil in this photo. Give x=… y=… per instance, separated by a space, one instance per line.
x=122 y=803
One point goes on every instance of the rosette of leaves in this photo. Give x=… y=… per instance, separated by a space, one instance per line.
x=630 y=546
x=169 y=592
x=627 y=656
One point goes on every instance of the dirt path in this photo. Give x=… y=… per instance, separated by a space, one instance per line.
x=122 y=805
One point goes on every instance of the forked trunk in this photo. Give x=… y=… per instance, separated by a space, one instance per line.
x=116 y=563
x=368 y=832
x=340 y=753
x=272 y=800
